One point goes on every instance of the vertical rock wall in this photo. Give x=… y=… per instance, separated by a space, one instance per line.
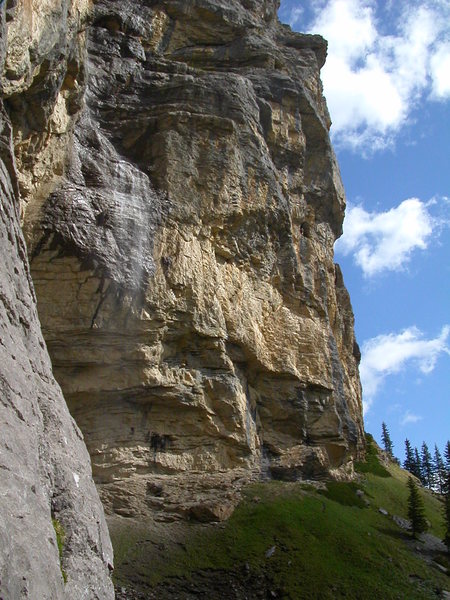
x=47 y=495
x=180 y=222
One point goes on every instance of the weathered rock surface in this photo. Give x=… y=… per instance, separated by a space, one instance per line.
x=45 y=471
x=181 y=222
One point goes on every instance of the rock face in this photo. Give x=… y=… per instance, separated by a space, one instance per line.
x=180 y=218
x=47 y=495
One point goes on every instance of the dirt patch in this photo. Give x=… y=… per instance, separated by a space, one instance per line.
x=212 y=585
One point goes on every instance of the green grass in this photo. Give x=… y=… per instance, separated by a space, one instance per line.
x=329 y=544
x=344 y=493
x=60 y=539
x=392 y=494
x=372 y=463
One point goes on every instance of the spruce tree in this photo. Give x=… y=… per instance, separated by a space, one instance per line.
x=439 y=470
x=427 y=467
x=409 y=457
x=447 y=511
x=416 y=510
x=446 y=489
x=447 y=456
x=417 y=466
x=386 y=439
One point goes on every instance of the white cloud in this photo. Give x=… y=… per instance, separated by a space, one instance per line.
x=391 y=353
x=385 y=241
x=373 y=79
x=295 y=15
x=440 y=72
x=409 y=418
x=349 y=27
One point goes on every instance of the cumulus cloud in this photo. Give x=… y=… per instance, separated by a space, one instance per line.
x=409 y=418
x=440 y=69
x=391 y=353
x=374 y=76
x=385 y=241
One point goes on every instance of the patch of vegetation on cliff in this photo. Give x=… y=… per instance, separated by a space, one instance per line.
x=60 y=539
x=295 y=542
x=372 y=463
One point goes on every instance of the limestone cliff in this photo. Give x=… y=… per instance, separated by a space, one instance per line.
x=180 y=202
x=47 y=495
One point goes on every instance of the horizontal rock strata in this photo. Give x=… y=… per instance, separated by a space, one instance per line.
x=181 y=217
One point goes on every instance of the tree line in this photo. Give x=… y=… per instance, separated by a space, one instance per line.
x=433 y=472
x=430 y=469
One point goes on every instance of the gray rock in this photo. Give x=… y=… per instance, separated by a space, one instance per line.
x=431 y=543
x=401 y=522
x=440 y=567
x=46 y=486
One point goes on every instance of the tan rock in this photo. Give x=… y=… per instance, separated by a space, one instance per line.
x=183 y=255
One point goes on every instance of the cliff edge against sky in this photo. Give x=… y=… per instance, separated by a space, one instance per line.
x=180 y=200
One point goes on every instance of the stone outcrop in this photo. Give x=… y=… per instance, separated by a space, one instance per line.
x=54 y=542
x=180 y=203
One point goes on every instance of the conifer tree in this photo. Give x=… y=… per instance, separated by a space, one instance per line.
x=439 y=470
x=446 y=489
x=447 y=511
x=386 y=439
x=447 y=456
x=427 y=467
x=417 y=466
x=409 y=457
x=416 y=510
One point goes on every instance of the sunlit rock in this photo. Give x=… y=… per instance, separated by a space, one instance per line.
x=180 y=217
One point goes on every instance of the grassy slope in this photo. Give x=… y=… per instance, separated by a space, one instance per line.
x=326 y=546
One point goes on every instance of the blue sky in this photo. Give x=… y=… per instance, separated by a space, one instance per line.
x=387 y=84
